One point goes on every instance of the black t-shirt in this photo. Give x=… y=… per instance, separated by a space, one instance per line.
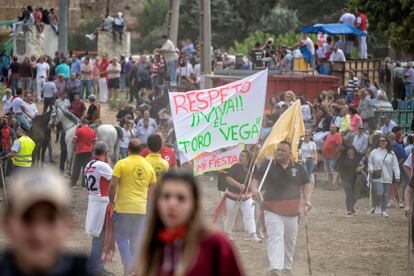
x=15 y=67
x=238 y=173
x=257 y=56
x=67 y=265
x=282 y=184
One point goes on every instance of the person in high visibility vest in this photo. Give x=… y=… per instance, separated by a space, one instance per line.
x=22 y=149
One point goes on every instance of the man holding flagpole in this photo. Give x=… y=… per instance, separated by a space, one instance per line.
x=283 y=183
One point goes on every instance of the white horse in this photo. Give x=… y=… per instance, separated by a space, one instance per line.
x=109 y=134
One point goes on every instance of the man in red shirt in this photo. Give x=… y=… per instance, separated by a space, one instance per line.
x=167 y=153
x=331 y=150
x=362 y=24
x=84 y=138
x=77 y=107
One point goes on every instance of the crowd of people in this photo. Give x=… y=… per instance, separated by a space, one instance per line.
x=38 y=17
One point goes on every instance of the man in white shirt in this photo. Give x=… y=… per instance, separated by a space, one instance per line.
x=18 y=108
x=151 y=121
x=42 y=73
x=49 y=91
x=31 y=109
x=349 y=19
x=337 y=54
x=97 y=173
x=7 y=101
x=169 y=51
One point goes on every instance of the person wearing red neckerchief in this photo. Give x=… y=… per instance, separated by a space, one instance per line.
x=177 y=242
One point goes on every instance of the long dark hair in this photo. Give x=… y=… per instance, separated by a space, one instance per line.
x=389 y=146
x=150 y=258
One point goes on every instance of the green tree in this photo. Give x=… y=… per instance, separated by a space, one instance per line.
x=288 y=38
x=77 y=39
x=280 y=20
x=230 y=20
x=316 y=11
x=250 y=13
x=394 y=17
x=151 y=25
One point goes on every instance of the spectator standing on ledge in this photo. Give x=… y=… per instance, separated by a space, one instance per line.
x=169 y=51
x=362 y=24
x=130 y=189
x=409 y=81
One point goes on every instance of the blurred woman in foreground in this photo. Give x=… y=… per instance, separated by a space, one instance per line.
x=177 y=242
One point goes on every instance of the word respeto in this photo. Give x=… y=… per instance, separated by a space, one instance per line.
x=196 y=101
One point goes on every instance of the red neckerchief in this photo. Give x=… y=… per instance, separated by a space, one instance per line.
x=170 y=236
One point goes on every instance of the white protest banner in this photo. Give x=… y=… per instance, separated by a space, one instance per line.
x=206 y=120
x=217 y=160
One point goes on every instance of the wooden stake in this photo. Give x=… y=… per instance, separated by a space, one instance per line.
x=307 y=242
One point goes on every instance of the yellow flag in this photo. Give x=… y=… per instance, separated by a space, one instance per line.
x=289 y=127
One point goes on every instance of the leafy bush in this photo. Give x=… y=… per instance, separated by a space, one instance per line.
x=247 y=44
x=77 y=39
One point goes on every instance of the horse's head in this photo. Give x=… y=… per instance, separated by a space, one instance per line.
x=54 y=118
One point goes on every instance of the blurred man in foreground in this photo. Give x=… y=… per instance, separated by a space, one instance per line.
x=37 y=221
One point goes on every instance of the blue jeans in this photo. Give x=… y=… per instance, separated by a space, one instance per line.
x=123 y=152
x=172 y=72
x=88 y=85
x=22 y=119
x=409 y=90
x=14 y=81
x=128 y=230
x=95 y=259
x=122 y=82
x=382 y=194
x=309 y=165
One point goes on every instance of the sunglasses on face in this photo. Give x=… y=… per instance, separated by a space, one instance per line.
x=382 y=140
x=179 y=197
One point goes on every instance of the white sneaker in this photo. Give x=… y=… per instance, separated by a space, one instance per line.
x=377 y=211
x=253 y=237
x=401 y=205
x=90 y=36
x=385 y=214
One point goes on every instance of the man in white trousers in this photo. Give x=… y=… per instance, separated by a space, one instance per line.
x=42 y=74
x=281 y=202
x=362 y=24
x=98 y=173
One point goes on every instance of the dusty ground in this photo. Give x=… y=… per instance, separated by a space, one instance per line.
x=361 y=245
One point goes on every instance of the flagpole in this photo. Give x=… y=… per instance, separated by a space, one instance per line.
x=265 y=175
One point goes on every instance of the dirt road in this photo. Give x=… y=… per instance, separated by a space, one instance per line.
x=361 y=245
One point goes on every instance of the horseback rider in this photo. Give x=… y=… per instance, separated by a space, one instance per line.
x=93 y=114
x=19 y=109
